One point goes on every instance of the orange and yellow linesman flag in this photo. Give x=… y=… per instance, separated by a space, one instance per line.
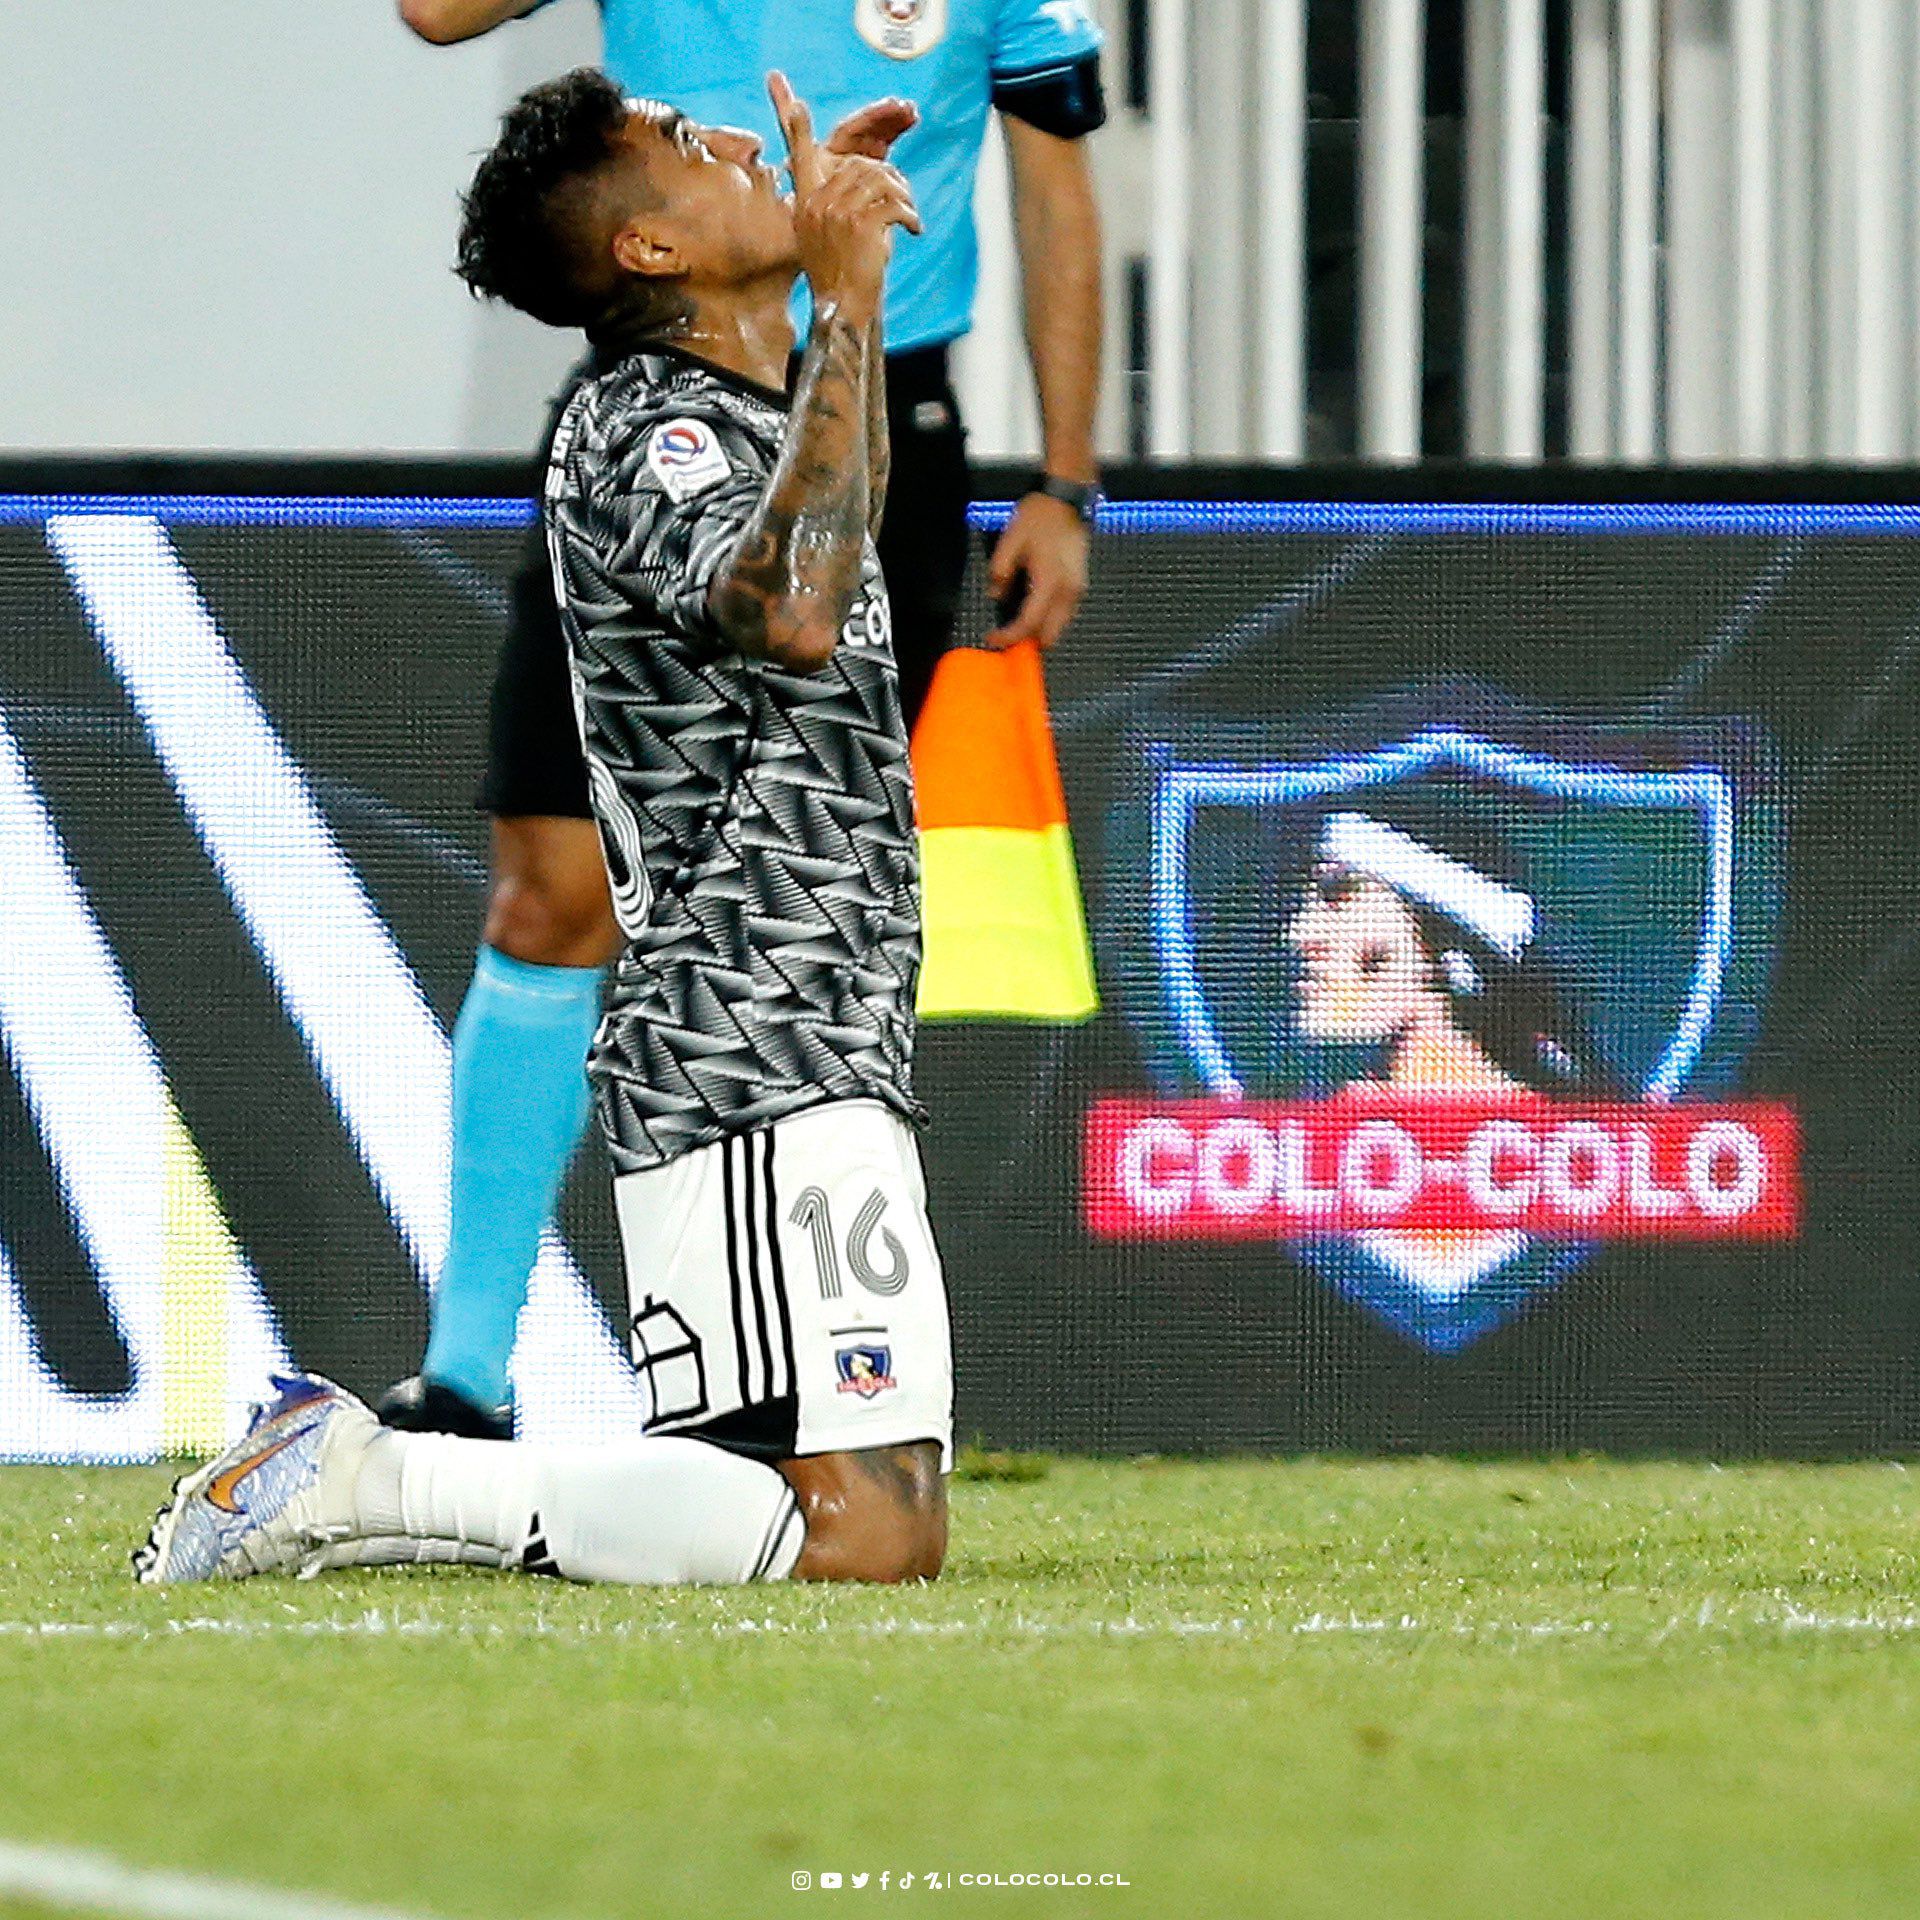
x=1006 y=932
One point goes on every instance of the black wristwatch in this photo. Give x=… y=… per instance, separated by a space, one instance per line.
x=1083 y=496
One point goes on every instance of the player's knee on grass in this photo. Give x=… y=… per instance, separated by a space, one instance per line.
x=548 y=903
x=876 y=1515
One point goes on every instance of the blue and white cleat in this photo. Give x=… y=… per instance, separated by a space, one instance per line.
x=274 y=1500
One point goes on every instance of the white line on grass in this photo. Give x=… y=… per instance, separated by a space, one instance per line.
x=1711 y=1617
x=97 y=1883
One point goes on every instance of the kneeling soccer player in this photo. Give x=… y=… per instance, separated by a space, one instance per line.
x=738 y=702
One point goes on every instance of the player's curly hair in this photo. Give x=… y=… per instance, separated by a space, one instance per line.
x=526 y=227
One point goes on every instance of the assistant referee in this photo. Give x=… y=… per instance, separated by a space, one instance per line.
x=520 y=1092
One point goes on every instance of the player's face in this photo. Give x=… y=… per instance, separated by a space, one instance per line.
x=730 y=219
x=1364 y=970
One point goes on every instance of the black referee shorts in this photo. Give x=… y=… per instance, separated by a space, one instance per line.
x=534 y=764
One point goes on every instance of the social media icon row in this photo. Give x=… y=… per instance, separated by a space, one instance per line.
x=886 y=1880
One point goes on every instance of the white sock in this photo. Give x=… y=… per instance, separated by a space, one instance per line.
x=655 y=1512
x=394 y=1550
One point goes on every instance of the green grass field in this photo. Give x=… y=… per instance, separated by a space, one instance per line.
x=1413 y=1688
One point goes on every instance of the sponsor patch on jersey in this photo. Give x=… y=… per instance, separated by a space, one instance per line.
x=687 y=458
x=865 y=1370
x=901 y=29
x=869 y=627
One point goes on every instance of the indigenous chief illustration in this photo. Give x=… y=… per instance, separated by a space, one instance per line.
x=1405 y=945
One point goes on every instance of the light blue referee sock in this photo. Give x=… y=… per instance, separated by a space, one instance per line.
x=520 y=1102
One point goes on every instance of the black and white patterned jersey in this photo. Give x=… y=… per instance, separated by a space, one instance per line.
x=757 y=823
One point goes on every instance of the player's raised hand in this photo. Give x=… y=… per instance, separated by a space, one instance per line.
x=845 y=207
x=845 y=231
x=796 y=128
x=871 y=131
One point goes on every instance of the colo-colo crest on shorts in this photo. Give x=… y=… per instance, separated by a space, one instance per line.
x=1441 y=993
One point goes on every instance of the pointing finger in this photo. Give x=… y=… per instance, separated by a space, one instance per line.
x=796 y=128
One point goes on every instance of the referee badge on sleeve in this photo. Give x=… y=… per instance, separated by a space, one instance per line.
x=687 y=458
x=901 y=29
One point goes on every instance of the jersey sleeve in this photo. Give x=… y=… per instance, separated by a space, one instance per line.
x=1046 y=65
x=679 y=482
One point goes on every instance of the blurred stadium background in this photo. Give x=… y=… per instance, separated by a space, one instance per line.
x=1614 y=229
x=1512 y=420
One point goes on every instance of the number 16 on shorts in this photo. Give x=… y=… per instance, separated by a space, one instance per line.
x=785 y=1290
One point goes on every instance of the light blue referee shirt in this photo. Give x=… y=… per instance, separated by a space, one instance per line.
x=710 y=58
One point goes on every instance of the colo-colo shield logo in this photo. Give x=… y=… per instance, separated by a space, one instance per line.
x=1441 y=993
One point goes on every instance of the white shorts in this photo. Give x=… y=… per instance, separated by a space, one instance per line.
x=784 y=1290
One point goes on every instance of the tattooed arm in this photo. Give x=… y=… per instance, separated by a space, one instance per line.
x=879 y=436
x=864 y=137
x=787 y=591
x=793 y=578
x=790 y=585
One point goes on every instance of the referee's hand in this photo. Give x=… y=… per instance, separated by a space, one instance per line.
x=1038 y=572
